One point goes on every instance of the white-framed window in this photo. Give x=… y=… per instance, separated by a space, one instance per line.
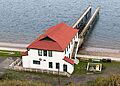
x=50 y=65
x=65 y=67
x=45 y=52
x=67 y=48
x=69 y=55
x=50 y=53
x=36 y=62
x=65 y=51
x=69 y=45
x=57 y=65
x=40 y=52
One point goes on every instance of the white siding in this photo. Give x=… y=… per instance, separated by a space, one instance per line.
x=44 y=63
x=71 y=46
x=57 y=57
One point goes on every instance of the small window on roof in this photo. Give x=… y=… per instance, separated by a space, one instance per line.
x=47 y=39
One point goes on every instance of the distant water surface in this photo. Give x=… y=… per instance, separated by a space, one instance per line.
x=21 y=21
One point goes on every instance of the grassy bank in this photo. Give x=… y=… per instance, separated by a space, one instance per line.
x=79 y=75
x=22 y=83
x=108 y=67
x=5 y=53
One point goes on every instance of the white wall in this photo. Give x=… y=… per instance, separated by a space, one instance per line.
x=57 y=57
x=44 y=63
x=71 y=46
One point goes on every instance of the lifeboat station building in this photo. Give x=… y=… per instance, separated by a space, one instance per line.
x=53 y=50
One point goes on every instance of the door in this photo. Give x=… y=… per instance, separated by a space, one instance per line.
x=65 y=67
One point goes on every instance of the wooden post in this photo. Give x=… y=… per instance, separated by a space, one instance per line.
x=58 y=76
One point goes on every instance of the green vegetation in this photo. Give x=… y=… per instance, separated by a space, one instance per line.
x=5 y=53
x=39 y=79
x=113 y=80
x=21 y=83
x=14 y=78
x=80 y=68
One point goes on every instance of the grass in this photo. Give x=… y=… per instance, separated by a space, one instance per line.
x=22 y=83
x=50 y=80
x=22 y=77
x=80 y=68
x=5 y=53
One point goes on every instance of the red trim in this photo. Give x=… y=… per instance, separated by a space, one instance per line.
x=68 y=60
x=24 y=53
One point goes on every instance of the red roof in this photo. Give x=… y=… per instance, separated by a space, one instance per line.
x=68 y=60
x=55 y=38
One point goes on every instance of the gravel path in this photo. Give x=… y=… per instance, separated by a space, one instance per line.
x=5 y=62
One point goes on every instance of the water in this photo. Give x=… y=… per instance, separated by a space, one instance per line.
x=22 y=21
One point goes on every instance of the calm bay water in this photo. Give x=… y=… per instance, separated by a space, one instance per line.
x=21 y=21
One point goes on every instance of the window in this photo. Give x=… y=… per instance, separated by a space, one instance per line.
x=69 y=55
x=65 y=67
x=50 y=53
x=50 y=65
x=67 y=48
x=57 y=65
x=65 y=51
x=40 y=52
x=69 y=45
x=28 y=49
x=45 y=52
x=36 y=62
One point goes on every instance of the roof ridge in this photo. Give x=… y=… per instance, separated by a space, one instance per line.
x=53 y=31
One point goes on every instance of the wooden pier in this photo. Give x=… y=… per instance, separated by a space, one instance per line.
x=83 y=19
x=85 y=23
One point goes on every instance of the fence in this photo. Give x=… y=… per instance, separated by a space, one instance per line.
x=16 y=65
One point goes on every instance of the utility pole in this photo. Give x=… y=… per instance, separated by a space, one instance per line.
x=58 y=76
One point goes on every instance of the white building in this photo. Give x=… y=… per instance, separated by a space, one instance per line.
x=54 y=50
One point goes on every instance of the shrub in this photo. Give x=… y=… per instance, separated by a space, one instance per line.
x=113 y=80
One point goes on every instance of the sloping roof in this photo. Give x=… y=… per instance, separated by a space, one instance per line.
x=68 y=60
x=24 y=53
x=55 y=38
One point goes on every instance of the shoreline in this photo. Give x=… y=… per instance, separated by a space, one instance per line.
x=98 y=49
x=13 y=46
x=21 y=46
